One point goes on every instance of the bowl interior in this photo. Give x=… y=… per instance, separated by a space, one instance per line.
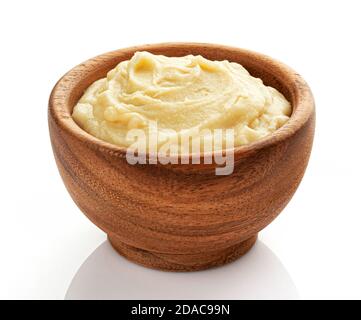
x=72 y=85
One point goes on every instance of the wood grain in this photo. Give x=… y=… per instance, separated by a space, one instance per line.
x=182 y=217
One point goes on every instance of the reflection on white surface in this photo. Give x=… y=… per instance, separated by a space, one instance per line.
x=257 y=275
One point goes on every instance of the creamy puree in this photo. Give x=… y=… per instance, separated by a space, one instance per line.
x=183 y=95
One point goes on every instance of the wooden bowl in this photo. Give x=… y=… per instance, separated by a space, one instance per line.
x=182 y=217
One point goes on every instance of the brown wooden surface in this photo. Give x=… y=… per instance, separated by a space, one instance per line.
x=182 y=217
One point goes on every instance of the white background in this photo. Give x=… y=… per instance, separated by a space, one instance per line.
x=314 y=245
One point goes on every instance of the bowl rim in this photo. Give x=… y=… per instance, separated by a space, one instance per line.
x=58 y=108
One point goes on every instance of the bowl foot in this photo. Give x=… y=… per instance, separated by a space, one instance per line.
x=182 y=262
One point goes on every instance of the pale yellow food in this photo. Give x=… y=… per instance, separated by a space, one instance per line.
x=183 y=95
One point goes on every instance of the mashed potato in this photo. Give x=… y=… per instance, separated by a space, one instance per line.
x=182 y=95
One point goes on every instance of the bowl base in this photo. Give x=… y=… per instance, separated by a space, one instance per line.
x=182 y=262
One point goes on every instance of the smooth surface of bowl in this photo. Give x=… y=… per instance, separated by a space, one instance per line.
x=182 y=217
